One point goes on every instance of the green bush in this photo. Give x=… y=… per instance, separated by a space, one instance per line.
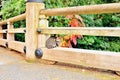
x=97 y=20
x=11 y=8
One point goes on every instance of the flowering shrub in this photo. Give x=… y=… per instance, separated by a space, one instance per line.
x=71 y=40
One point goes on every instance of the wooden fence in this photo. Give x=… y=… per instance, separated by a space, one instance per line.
x=10 y=31
x=35 y=42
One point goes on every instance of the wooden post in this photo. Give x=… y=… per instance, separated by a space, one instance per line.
x=1 y=35
x=43 y=23
x=32 y=23
x=10 y=36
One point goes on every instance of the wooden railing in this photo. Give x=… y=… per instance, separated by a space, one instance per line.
x=91 y=9
x=89 y=58
x=34 y=46
x=10 y=31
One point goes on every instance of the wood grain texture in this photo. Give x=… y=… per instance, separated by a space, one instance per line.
x=32 y=23
x=17 y=30
x=14 y=19
x=17 y=18
x=18 y=46
x=90 y=9
x=96 y=31
x=88 y=58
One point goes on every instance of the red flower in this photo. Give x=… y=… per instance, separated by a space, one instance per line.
x=75 y=21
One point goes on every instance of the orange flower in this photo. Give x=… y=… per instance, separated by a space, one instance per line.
x=75 y=21
x=64 y=44
x=67 y=37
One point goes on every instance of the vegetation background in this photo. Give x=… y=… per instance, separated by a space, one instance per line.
x=12 y=8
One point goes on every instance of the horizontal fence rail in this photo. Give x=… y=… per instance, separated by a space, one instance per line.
x=89 y=58
x=3 y=31
x=96 y=31
x=91 y=9
x=16 y=45
x=17 y=18
x=18 y=30
x=3 y=22
x=14 y=19
x=3 y=42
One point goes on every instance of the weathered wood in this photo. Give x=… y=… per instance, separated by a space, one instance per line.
x=13 y=19
x=3 y=42
x=18 y=46
x=10 y=36
x=32 y=23
x=17 y=30
x=96 y=31
x=90 y=9
x=88 y=58
x=3 y=22
x=17 y=18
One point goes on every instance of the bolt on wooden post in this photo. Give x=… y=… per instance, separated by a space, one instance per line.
x=32 y=23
